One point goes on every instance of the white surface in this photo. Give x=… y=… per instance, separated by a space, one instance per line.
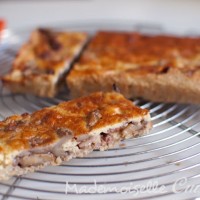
x=173 y=15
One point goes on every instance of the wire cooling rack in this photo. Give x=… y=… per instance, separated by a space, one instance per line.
x=162 y=165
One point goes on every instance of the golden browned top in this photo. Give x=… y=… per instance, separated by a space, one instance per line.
x=46 y=52
x=75 y=117
x=135 y=53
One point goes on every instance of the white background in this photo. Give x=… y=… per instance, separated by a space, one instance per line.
x=174 y=15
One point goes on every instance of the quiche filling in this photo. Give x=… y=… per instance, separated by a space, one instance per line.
x=68 y=148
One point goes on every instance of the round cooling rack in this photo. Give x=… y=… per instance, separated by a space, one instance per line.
x=162 y=165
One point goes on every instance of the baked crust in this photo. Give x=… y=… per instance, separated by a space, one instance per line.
x=98 y=121
x=41 y=62
x=141 y=66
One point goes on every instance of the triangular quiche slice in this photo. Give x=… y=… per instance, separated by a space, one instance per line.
x=43 y=61
x=29 y=142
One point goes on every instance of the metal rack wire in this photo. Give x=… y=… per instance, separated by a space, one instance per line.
x=168 y=157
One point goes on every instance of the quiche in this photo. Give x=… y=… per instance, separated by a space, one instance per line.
x=29 y=142
x=160 y=68
x=43 y=61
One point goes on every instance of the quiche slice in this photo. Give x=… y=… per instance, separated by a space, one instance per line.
x=43 y=60
x=71 y=129
x=159 y=68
